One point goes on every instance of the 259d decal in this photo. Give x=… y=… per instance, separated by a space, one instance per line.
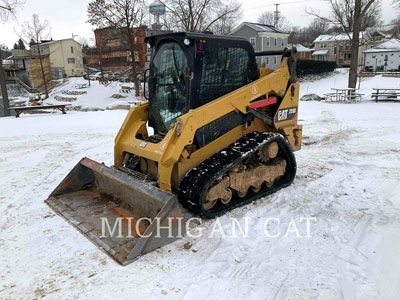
x=286 y=114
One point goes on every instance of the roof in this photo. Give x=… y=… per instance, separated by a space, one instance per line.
x=195 y=35
x=320 y=52
x=387 y=27
x=390 y=45
x=336 y=37
x=259 y=28
x=56 y=41
x=301 y=48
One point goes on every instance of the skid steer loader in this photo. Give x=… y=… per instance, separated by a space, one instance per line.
x=224 y=135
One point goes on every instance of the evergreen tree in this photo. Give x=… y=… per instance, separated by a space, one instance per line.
x=21 y=45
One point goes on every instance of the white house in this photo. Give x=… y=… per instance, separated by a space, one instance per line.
x=384 y=57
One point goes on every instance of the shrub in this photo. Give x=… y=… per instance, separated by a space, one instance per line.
x=305 y=67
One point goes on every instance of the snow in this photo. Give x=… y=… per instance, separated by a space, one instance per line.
x=119 y=105
x=97 y=96
x=320 y=52
x=348 y=178
x=301 y=48
x=339 y=78
x=336 y=37
x=390 y=45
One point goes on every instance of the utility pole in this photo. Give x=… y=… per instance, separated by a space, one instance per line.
x=4 y=87
x=276 y=17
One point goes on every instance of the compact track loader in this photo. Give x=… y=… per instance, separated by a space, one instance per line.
x=224 y=135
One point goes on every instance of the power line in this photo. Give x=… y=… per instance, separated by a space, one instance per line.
x=283 y=3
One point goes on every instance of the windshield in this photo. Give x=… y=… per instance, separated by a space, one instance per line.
x=169 y=70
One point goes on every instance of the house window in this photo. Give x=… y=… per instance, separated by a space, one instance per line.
x=347 y=56
x=334 y=50
x=275 y=60
x=72 y=49
x=267 y=61
x=275 y=41
x=267 y=41
x=71 y=60
x=253 y=41
x=283 y=42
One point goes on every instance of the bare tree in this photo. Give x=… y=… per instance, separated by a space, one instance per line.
x=3 y=50
x=317 y=27
x=7 y=9
x=202 y=15
x=227 y=23
x=353 y=16
x=268 y=18
x=35 y=32
x=307 y=35
x=123 y=15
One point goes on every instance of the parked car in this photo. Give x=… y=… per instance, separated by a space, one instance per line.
x=87 y=75
x=126 y=78
x=117 y=76
x=108 y=75
x=95 y=76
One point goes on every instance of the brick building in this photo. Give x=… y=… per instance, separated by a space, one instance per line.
x=112 y=51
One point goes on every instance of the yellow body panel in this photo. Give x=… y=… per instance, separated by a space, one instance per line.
x=174 y=160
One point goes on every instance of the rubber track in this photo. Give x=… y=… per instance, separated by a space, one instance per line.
x=197 y=181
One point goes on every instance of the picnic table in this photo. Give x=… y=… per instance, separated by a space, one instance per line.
x=386 y=93
x=81 y=85
x=20 y=109
x=125 y=89
x=103 y=81
x=344 y=95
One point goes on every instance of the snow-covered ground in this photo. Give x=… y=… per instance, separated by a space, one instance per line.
x=94 y=97
x=348 y=179
x=338 y=79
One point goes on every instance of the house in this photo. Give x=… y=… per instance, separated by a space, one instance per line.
x=65 y=57
x=337 y=48
x=384 y=57
x=17 y=64
x=385 y=31
x=25 y=69
x=303 y=53
x=112 y=51
x=262 y=38
x=59 y=59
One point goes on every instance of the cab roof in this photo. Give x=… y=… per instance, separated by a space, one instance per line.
x=194 y=36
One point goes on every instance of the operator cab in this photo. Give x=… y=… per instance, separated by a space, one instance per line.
x=188 y=70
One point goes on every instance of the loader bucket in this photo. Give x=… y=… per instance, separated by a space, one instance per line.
x=123 y=215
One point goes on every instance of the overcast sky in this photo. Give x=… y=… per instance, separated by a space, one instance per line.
x=67 y=17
